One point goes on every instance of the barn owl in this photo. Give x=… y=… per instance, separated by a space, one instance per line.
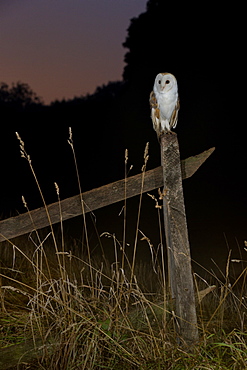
x=164 y=102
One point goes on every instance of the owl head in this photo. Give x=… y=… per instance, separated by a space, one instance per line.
x=164 y=83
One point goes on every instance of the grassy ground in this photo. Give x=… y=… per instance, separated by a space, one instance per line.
x=90 y=316
x=65 y=309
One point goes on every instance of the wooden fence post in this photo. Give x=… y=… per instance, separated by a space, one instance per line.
x=178 y=249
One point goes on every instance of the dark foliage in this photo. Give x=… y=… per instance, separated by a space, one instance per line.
x=18 y=96
x=200 y=46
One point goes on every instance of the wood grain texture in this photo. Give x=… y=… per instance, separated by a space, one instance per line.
x=178 y=248
x=93 y=199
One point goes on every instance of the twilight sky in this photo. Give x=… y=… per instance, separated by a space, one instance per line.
x=64 y=48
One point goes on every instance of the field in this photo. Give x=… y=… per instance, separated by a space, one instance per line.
x=65 y=307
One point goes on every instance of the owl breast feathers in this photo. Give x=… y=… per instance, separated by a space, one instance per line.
x=164 y=102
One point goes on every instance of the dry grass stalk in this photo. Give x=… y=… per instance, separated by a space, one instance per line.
x=90 y=314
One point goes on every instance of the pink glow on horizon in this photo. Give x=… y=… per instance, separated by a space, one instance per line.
x=67 y=48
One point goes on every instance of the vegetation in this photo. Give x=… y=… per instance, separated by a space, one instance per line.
x=64 y=306
x=19 y=95
x=76 y=310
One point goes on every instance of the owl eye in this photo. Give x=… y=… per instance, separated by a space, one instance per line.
x=159 y=82
x=167 y=82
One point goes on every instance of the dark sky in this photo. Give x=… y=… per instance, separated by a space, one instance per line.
x=64 y=48
x=68 y=50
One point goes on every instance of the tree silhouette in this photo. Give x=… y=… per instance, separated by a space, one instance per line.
x=19 y=95
x=199 y=48
x=203 y=49
x=152 y=41
x=180 y=38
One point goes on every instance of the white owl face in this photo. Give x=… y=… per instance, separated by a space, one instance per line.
x=164 y=83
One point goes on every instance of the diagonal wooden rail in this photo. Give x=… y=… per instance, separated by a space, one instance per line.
x=94 y=199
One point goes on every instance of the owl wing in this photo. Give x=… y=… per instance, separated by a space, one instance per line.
x=155 y=113
x=174 y=116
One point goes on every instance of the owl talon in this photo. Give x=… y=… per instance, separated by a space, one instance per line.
x=167 y=133
x=163 y=133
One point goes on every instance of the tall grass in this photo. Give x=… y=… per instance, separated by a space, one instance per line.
x=83 y=312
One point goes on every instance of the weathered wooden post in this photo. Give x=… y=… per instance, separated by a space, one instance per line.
x=178 y=249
